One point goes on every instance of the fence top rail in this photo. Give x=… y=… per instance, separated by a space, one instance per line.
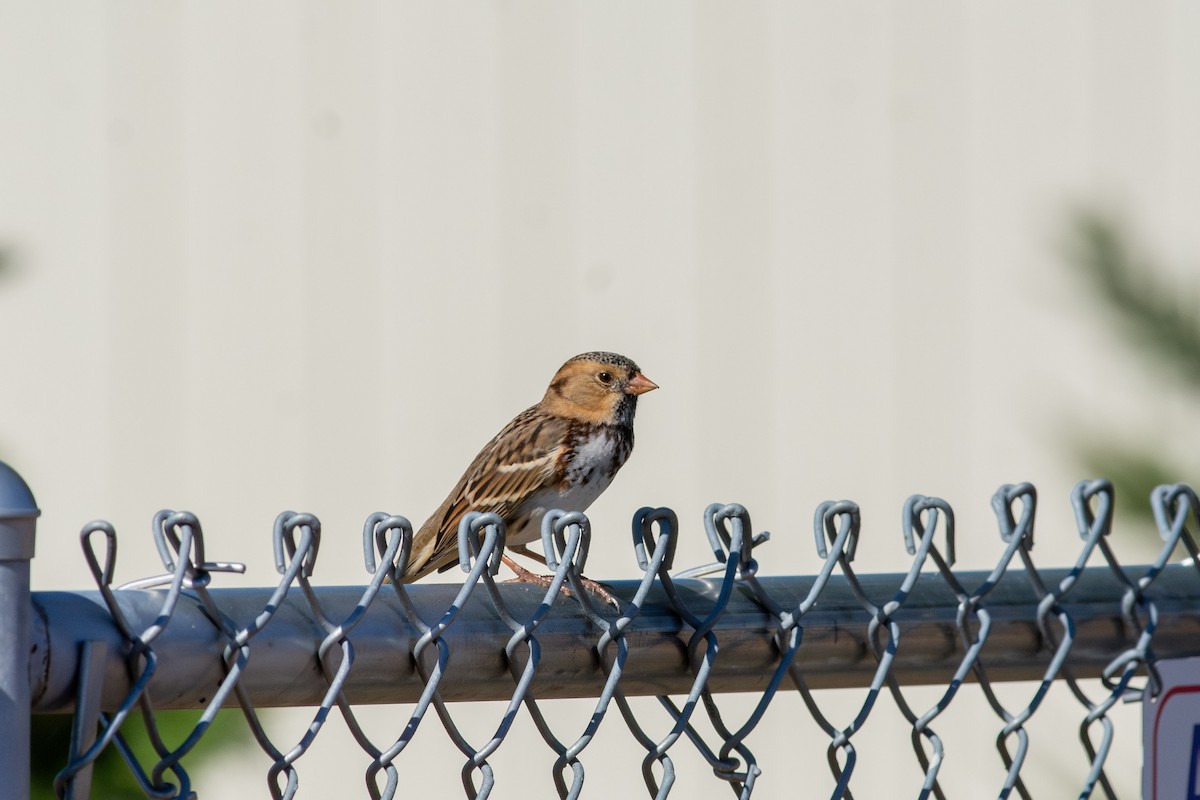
x=282 y=669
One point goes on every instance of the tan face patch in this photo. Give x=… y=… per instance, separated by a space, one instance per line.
x=578 y=391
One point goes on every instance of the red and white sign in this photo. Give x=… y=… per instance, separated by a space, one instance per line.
x=1171 y=733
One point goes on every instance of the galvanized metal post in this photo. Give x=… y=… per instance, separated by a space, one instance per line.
x=18 y=515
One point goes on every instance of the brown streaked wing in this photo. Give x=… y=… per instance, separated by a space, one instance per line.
x=520 y=461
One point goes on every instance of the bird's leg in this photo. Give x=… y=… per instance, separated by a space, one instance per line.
x=522 y=550
x=525 y=576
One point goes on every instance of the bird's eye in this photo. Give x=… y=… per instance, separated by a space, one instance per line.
x=605 y=377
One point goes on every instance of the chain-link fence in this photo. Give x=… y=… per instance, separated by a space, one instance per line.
x=684 y=636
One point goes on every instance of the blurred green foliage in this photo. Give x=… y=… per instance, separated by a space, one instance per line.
x=1160 y=320
x=1157 y=315
x=111 y=777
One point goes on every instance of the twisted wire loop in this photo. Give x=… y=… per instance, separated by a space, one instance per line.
x=1017 y=531
x=730 y=537
x=236 y=652
x=920 y=518
x=565 y=540
x=391 y=537
x=920 y=523
x=729 y=528
x=836 y=527
x=297 y=539
x=973 y=620
x=1093 y=505
x=570 y=533
x=180 y=543
x=1093 y=502
x=655 y=556
x=732 y=545
x=481 y=545
x=840 y=522
x=697 y=603
x=1172 y=505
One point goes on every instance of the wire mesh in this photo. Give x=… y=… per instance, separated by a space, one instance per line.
x=687 y=637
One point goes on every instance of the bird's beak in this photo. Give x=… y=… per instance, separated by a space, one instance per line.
x=640 y=384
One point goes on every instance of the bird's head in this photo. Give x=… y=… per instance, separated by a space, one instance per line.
x=597 y=387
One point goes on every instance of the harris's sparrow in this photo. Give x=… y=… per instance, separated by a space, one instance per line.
x=561 y=453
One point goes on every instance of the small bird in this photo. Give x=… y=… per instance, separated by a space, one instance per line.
x=561 y=453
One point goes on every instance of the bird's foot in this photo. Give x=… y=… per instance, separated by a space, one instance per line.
x=602 y=591
x=594 y=588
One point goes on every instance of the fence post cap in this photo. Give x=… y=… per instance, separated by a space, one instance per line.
x=18 y=510
x=16 y=500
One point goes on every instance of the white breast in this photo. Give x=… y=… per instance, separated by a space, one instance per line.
x=594 y=460
x=589 y=474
